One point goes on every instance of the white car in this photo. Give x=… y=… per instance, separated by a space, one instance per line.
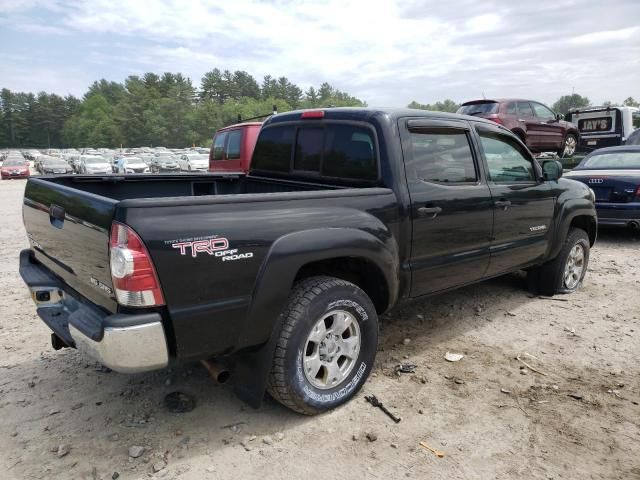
x=94 y=165
x=194 y=162
x=131 y=165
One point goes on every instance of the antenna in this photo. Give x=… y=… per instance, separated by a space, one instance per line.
x=484 y=97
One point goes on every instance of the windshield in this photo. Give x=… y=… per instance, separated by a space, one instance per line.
x=612 y=160
x=164 y=154
x=95 y=160
x=478 y=108
x=198 y=157
x=14 y=163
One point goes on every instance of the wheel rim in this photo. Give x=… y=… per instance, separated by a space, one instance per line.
x=574 y=267
x=331 y=349
x=570 y=145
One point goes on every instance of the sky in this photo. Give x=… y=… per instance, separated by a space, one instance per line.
x=386 y=52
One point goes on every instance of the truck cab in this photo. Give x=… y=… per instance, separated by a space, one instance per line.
x=232 y=147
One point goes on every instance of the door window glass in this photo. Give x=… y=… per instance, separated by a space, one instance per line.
x=442 y=156
x=506 y=161
x=511 y=109
x=524 y=109
x=542 y=112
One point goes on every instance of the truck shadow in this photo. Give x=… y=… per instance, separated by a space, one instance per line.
x=62 y=397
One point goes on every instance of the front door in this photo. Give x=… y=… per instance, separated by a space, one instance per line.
x=451 y=208
x=523 y=204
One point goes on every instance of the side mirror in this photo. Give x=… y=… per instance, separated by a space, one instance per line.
x=551 y=170
x=559 y=116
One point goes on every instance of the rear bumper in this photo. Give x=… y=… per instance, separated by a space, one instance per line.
x=124 y=343
x=618 y=213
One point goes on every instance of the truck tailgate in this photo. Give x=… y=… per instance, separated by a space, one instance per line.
x=68 y=230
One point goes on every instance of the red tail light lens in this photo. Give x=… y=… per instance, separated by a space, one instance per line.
x=637 y=194
x=498 y=120
x=134 y=278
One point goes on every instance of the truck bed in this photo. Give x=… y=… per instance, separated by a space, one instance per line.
x=170 y=186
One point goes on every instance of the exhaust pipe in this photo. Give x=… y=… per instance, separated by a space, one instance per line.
x=218 y=372
x=57 y=343
x=634 y=224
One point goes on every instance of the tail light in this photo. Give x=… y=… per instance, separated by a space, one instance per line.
x=134 y=278
x=317 y=114
x=637 y=194
x=496 y=119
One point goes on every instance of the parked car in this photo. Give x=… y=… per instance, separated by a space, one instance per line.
x=603 y=126
x=283 y=272
x=95 y=165
x=131 y=165
x=194 y=161
x=539 y=128
x=614 y=175
x=232 y=147
x=164 y=161
x=14 y=168
x=634 y=138
x=51 y=165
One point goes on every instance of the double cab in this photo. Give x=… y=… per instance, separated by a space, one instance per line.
x=282 y=274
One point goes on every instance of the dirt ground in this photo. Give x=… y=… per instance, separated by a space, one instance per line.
x=63 y=416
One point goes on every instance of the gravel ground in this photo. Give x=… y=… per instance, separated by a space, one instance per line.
x=63 y=416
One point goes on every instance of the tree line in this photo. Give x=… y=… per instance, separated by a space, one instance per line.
x=152 y=110
x=562 y=105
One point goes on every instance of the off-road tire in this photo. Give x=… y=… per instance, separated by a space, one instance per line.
x=548 y=279
x=309 y=300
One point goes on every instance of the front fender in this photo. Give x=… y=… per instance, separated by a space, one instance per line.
x=574 y=202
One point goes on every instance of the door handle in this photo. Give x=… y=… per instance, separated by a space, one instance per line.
x=503 y=204
x=429 y=211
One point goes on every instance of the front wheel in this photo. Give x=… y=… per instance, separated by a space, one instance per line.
x=569 y=145
x=566 y=272
x=327 y=345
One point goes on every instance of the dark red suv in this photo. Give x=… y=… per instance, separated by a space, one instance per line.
x=537 y=125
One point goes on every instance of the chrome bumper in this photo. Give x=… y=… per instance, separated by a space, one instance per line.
x=132 y=349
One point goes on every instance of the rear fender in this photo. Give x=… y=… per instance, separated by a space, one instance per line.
x=275 y=280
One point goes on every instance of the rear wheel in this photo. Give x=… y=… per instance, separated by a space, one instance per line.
x=327 y=345
x=569 y=145
x=566 y=272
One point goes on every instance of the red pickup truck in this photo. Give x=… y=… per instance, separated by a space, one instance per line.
x=232 y=147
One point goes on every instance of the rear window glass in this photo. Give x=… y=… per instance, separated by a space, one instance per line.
x=629 y=160
x=273 y=149
x=233 y=144
x=309 y=149
x=478 y=108
x=218 y=146
x=330 y=150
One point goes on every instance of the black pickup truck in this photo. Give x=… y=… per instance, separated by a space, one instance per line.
x=283 y=273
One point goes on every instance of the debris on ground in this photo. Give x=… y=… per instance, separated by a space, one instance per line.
x=426 y=446
x=406 y=368
x=63 y=450
x=377 y=403
x=136 y=451
x=178 y=402
x=453 y=357
x=371 y=436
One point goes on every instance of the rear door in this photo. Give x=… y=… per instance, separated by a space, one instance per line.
x=550 y=128
x=523 y=205
x=528 y=119
x=451 y=208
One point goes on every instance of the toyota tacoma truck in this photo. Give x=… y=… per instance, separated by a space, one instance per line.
x=283 y=273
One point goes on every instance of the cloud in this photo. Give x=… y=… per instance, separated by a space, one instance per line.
x=387 y=53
